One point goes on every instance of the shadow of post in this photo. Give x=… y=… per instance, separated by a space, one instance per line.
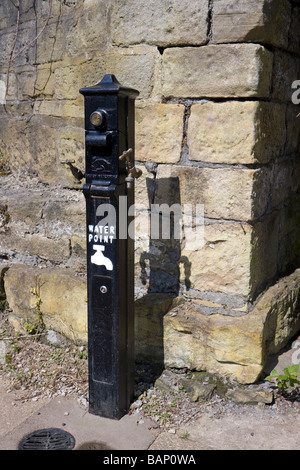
x=160 y=274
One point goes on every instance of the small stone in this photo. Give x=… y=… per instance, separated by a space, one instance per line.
x=3 y=352
x=52 y=337
x=247 y=396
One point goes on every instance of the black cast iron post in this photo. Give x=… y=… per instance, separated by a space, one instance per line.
x=109 y=192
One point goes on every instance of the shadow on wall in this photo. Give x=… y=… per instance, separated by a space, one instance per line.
x=160 y=272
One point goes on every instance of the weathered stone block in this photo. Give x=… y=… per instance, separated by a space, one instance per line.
x=67 y=83
x=180 y=23
x=51 y=249
x=149 y=313
x=71 y=144
x=236 y=132
x=226 y=193
x=222 y=263
x=136 y=67
x=87 y=27
x=285 y=176
x=258 y=21
x=63 y=298
x=294 y=39
x=61 y=108
x=289 y=235
x=285 y=72
x=26 y=85
x=233 y=258
x=27 y=210
x=236 y=70
x=24 y=37
x=159 y=130
x=234 y=346
x=144 y=189
x=293 y=129
x=44 y=81
x=264 y=253
x=29 y=153
x=51 y=44
x=40 y=221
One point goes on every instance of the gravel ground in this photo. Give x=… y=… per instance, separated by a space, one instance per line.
x=41 y=370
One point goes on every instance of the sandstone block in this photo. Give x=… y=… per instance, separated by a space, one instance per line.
x=63 y=298
x=232 y=258
x=260 y=21
x=222 y=263
x=59 y=109
x=86 y=27
x=236 y=132
x=51 y=44
x=285 y=176
x=285 y=71
x=293 y=130
x=136 y=67
x=226 y=193
x=44 y=81
x=162 y=24
x=26 y=210
x=149 y=312
x=264 y=252
x=71 y=144
x=65 y=214
x=67 y=83
x=144 y=189
x=56 y=250
x=289 y=235
x=24 y=37
x=294 y=40
x=236 y=70
x=93 y=69
x=159 y=130
x=279 y=307
x=212 y=343
x=8 y=15
x=30 y=154
x=234 y=346
x=26 y=86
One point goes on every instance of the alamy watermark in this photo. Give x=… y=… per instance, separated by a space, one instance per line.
x=296 y=93
x=176 y=222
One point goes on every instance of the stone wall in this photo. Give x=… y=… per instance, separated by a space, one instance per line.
x=215 y=125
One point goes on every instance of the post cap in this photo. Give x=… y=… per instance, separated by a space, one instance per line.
x=109 y=85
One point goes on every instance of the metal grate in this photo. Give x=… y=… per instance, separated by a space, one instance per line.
x=47 y=439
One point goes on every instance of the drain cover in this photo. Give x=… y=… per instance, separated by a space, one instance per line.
x=47 y=439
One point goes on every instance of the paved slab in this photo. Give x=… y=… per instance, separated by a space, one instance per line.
x=252 y=430
x=90 y=432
